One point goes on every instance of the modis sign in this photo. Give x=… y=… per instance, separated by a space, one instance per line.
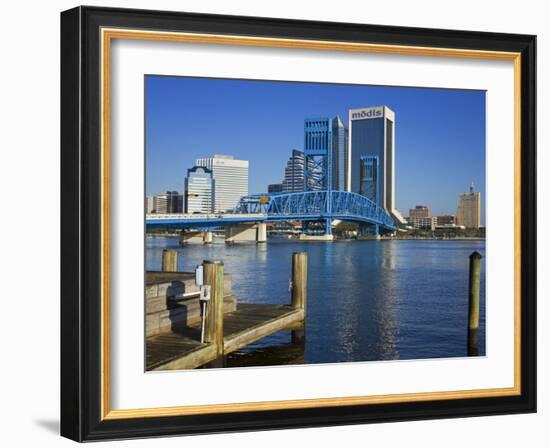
x=370 y=112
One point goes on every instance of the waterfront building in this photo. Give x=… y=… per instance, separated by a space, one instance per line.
x=294 y=179
x=372 y=137
x=275 y=188
x=149 y=204
x=420 y=211
x=340 y=154
x=169 y=202
x=468 y=213
x=318 y=153
x=199 y=190
x=446 y=221
x=230 y=177
x=426 y=223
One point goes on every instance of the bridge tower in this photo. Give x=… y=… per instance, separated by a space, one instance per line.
x=318 y=161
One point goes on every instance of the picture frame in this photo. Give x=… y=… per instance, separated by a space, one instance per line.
x=86 y=177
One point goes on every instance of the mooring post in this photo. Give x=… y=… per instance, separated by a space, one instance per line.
x=299 y=280
x=169 y=260
x=473 y=306
x=213 y=276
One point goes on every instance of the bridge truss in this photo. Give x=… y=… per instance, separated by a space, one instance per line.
x=317 y=206
x=321 y=207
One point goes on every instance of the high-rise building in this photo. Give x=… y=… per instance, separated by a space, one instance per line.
x=230 y=177
x=372 y=134
x=169 y=202
x=468 y=213
x=420 y=211
x=294 y=179
x=149 y=204
x=340 y=154
x=199 y=190
x=275 y=188
x=326 y=152
x=318 y=153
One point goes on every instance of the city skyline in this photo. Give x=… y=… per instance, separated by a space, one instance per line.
x=439 y=133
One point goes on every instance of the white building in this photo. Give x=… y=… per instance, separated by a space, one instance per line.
x=427 y=223
x=230 y=177
x=149 y=204
x=199 y=190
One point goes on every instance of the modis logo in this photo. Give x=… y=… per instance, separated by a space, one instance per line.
x=373 y=112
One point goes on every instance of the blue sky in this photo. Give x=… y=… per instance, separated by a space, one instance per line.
x=439 y=133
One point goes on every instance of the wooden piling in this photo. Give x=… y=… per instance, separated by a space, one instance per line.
x=473 y=305
x=213 y=276
x=169 y=260
x=299 y=280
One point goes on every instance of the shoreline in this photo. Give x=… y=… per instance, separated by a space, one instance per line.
x=336 y=239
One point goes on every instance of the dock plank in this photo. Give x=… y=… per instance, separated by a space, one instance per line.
x=247 y=324
x=248 y=329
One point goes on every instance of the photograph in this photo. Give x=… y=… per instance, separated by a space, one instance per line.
x=281 y=223
x=290 y=223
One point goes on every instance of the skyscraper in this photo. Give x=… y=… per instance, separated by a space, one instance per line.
x=199 y=190
x=294 y=179
x=468 y=212
x=340 y=154
x=371 y=137
x=230 y=177
x=318 y=141
x=326 y=153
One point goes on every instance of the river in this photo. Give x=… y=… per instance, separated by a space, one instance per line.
x=367 y=300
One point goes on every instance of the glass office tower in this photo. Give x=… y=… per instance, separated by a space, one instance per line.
x=339 y=154
x=326 y=153
x=318 y=153
x=199 y=190
x=372 y=140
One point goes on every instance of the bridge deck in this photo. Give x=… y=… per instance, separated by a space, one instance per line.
x=249 y=323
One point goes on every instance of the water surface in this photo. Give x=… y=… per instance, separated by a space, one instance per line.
x=367 y=300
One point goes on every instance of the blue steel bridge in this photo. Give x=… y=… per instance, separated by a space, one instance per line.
x=307 y=206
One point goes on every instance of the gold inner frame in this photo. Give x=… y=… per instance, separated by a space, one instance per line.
x=107 y=35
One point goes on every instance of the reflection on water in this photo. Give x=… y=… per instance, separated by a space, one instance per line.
x=367 y=300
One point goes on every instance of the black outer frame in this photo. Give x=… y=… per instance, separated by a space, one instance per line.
x=80 y=223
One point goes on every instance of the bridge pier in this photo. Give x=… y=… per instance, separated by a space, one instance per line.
x=207 y=237
x=323 y=237
x=314 y=231
x=195 y=237
x=369 y=231
x=261 y=235
x=246 y=232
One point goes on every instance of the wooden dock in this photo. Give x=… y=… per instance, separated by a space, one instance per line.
x=227 y=328
x=247 y=324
